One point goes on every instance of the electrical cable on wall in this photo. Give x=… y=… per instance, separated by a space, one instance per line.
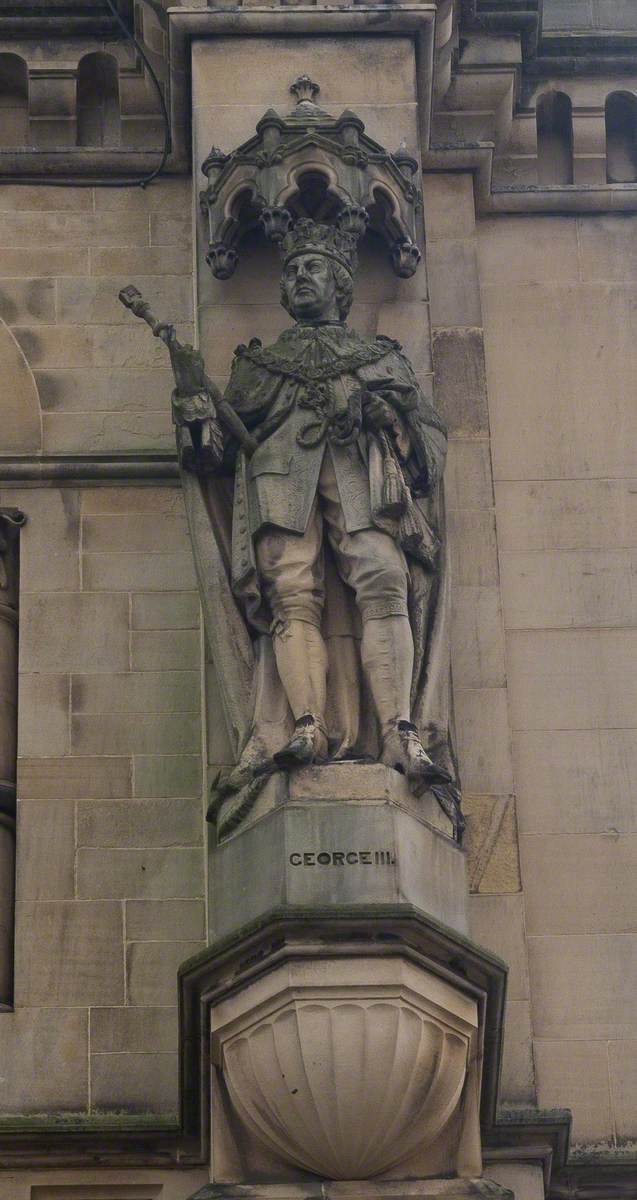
x=145 y=180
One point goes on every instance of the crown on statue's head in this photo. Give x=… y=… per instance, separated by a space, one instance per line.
x=309 y=237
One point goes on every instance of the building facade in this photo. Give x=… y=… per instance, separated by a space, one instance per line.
x=522 y=119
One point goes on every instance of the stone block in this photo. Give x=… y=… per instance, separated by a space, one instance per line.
x=106 y=433
x=122 y=874
x=138 y=260
x=61 y=229
x=168 y=775
x=449 y=206
x=134 y=1083
x=138 y=692
x=497 y=922
x=517 y=1082
x=583 y=986
x=574 y=1074
x=140 y=823
x=27 y=301
x=363 y=71
x=556 y=900
x=45 y=850
x=334 y=853
x=133 y=1030
x=161 y=650
x=491 y=842
x=453 y=283
x=569 y=514
x=28 y=263
x=622 y=1061
x=102 y=534
x=468 y=482
x=96 y=390
x=171 y=231
x=68 y=954
x=132 y=572
x=96 y=300
x=22 y=423
x=522 y=249
x=174 y=610
x=590 y=771
x=43 y=1062
x=159 y=501
x=477 y=638
x=50 y=540
x=461 y=389
x=73 y=632
x=562 y=589
x=484 y=753
x=40 y=198
x=165 y=920
x=531 y=405
x=525 y=1180
x=575 y=679
x=161 y=733
x=43 y=716
x=473 y=547
x=152 y=970
x=74 y=778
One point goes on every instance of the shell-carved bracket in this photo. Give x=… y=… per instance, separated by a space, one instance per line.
x=310 y=164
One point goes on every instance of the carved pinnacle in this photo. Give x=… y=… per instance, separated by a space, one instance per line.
x=304 y=88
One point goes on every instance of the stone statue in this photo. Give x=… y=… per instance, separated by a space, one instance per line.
x=316 y=525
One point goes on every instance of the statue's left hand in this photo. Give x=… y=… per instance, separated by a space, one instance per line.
x=377 y=412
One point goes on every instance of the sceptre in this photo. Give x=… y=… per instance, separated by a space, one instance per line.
x=186 y=357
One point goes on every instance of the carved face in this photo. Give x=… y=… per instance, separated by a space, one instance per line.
x=310 y=288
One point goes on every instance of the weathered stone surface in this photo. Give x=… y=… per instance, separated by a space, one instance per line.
x=152 y=970
x=133 y=572
x=468 y=482
x=20 y=404
x=84 y=345
x=176 y=610
x=75 y=778
x=68 y=954
x=168 y=775
x=140 y=823
x=50 y=540
x=517 y=1082
x=580 y=679
x=138 y=1030
x=491 y=841
x=106 y=433
x=160 y=733
x=99 y=626
x=525 y=250
x=453 y=283
x=155 y=651
x=126 y=390
x=473 y=547
x=556 y=900
x=381 y=71
x=165 y=921
x=583 y=987
x=137 y=692
x=27 y=301
x=95 y=300
x=461 y=391
x=484 y=741
x=477 y=638
x=45 y=850
x=119 y=874
x=137 y=260
x=43 y=728
x=158 y=501
x=569 y=514
x=449 y=206
x=134 y=1082
x=103 y=534
x=586 y=786
x=43 y=1061
x=559 y=590
x=622 y=1061
x=578 y=1070
x=61 y=229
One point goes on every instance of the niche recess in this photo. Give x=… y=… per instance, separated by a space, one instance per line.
x=554 y=116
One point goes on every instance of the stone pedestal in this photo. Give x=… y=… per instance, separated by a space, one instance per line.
x=343 y=834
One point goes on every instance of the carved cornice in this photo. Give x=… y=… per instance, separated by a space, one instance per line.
x=60 y=18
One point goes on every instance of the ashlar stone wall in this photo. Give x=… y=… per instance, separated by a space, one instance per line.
x=110 y=862
x=559 y=301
